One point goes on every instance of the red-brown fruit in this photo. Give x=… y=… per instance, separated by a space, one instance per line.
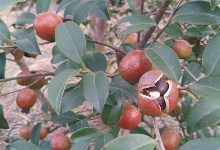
x=60 y=142
x=182 y=48
x=43 y=133
x=131 y=38
x=40 y=82
x=45 y=24
x=170 y=138
x=130 y=117
x=26 y=98
x=134 y=65
x=24 y=81
x=25 y=131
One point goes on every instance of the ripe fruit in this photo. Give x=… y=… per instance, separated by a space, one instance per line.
x=170 y=138
x=182 y=48
x=134 y=65
x=156 y=95
x=43 y=133
x=26 y=98
x=60 y=142
x=25 y=131
x=24 y=81
x=130 y=117
x=131 y=38
x=39 y=82
x=45 y=24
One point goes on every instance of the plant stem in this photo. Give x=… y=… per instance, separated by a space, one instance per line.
x=160 y=145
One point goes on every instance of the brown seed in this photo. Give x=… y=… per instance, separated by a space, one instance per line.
x=162 y=87
x=161 y=102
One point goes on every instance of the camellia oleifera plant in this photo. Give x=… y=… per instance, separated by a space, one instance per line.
x=122 y=75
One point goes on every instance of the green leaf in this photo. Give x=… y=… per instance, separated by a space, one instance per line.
x=83 y=145
x=27 y=42
x=64 y=4
x=3 y=121
x=74 y=46
x=207 y=87
x=57 y=55
x=64 y=118
x=202 y=144
x=197 y=12
x=95 y=88
x=4 y=3
x=204 y=113
x=35 y=134
x=103 y=140
x=115 y=130
x=100 y=10
x=90 y=46
x=85 y=134
x=131 y=142
x=45 y=145
x=165 y=59
x=2 y=66
x=139 y=130
x=127 y=90
x=42 y=6
x=96 y=61
x=214 y=4
x=72 y=99
x=174 y=30
x=23 y=145
x=57 y=86
x=4 y=32
x=204 y=133
x=71 y=8
x=131 y=24
x=193 y=32
x=195 y=69
x=131 y=3
x=112 y=113
x=81 y=123
x=211 y=57
x=68 y=64
x=25 y=18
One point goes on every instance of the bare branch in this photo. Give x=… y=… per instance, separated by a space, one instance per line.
x=159 y=140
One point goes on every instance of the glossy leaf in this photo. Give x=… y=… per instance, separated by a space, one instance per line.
x=211 y=57
x=90 y=46
x=2 y=66
x=4 y=32
x=165 y=59
x=68 y=64
x=195 y=69
x=64 y=118
x=197 y=12
x=127 y=90
x=83 y=145
x=72 y=99
x=100 y=10
x=70 y=8
x=95 y=88
x=204 y=113
x=80 y=123
x=23 y=145
x=200 y=144
x=131 y=142
x=139 y=130
x=4 y=3
x=3 y=121
x=96 y=61
x=193 y=32
x=58 y=56
x=115 y=131
x=112 y=113
x=64 y=4
x=25 y=18
x=85 y=134
x=208 y=87
x=57 y=86
x=186 y=106
x=35 y=134
x=45 y=145
x=131 y=24
x=103 y=140
x=174 y=30
x=74 y=46
x=27 y=42
x=42 y=6
x=214 y=4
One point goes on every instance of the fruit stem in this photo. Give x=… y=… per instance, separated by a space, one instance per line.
x=160 y=145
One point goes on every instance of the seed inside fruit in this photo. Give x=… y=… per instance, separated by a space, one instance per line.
x=161 y=102
x=162 y=87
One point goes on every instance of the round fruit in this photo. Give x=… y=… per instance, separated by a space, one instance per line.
x=182 y=48
x=26 y=98
x=24 y=81
x=177 y=110
x=45 y=24
x=60 y=142
x=170 y=138
x=39 y=82
x=25 y=131
x=131 y=38
x=155 y=95
x=43 y=133
x=134 y=65
x=130 y=117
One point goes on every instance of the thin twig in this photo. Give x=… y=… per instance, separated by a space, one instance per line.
x=166 y=25
x=158 y=137
x=181 y=126
x=142 y=11
x=189 y=73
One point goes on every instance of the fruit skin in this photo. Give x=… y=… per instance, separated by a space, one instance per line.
x=177 y=110
x=24 y=81
x=26 y=98
x=131 y=38
x=43 y=133
x=25 y=131
x=130 y=117
x=182 y=48
x=60 y=142
x=45 y=24
x=134 y=65
x=170 y=139
x=39 y=84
